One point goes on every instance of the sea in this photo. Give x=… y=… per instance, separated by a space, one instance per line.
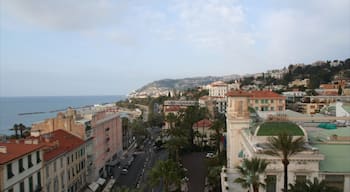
x=28 y=110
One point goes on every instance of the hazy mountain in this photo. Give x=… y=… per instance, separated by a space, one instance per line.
x=185 y=83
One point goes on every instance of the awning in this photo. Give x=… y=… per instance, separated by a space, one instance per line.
x=94 y=186
x=101 y=181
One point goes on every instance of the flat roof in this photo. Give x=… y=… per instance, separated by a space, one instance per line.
x=336 y=157
x=337 y=154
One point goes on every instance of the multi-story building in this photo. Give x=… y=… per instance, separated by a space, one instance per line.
x=323 y=159
x=65 y=164
x=174 y=107
x=203 y=132
x=21 y=164
x=298 y=82
x=267 y=101
x=107 y=143
x=70 y=121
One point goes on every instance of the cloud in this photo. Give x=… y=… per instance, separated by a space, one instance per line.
x=65 y=14
x=308 y=32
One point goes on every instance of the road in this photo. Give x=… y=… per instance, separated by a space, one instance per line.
x=196 y=166
x=137 y=172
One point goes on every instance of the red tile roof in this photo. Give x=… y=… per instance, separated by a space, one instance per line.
x=173 y=108
x=265 y=94
x=17 y=150
x=203 y=123
x=59 y=142
x=238 y=94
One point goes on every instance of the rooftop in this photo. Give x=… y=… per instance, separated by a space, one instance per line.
x=276 y=127
x=16 y=150
x=61 y=142
x=336 y=151
x=265 y=94
x=203 y=123
x=336 y=157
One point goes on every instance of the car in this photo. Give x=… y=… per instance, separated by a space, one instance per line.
x=210 y=155
x=124 y=171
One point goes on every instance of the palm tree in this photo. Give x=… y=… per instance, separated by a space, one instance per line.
x=250 y=172
x=309 y=186
x=284 y=147
x=21 y=128
x=15 y=128
x=217 y=127
x=168 y=172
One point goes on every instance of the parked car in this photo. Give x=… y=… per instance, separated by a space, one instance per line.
x=124 y=171
x=210 y=155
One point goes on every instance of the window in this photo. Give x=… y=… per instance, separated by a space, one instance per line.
x=38 y=160
x=61 y=162
x=272 y=108
x=47 y=171
x=9 y=171
x=21 y=187
x=38 y=178
x=271 y=183
x=30 y=163
x=271 y=101
x=10 y=190
x=256 y=101
x=30 y=184
x=336 y=181
x=20 y=165
x=67 y=160
x=300 y=178
x=54 y=166
x=62 y=179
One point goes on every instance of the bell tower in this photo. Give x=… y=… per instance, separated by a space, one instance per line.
x=237 y=118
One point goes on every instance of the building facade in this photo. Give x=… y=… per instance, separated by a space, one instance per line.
x=267 y=101
x=107 y=143
x=21 y=166
x=65 y=162
x=245 y=141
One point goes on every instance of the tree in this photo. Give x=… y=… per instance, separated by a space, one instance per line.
x=188 y=117
x=284 y=146
x=217 y=127
x=250 y=172
x=308 y=186
x=214 y=177
x=15 y=128
x=21 y=128
x=168 y=172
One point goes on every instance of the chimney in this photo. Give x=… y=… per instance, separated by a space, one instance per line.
x=3 y=149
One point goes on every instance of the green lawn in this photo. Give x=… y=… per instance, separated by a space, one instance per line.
x=274 y=128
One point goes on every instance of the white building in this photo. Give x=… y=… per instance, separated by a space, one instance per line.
x=20 y=166
x=245 y=141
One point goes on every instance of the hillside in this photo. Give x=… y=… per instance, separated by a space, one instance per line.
x=182 y=84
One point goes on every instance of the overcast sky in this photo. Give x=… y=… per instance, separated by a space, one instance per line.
x=99 y=47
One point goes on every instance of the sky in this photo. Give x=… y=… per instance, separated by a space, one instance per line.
x=109 y=47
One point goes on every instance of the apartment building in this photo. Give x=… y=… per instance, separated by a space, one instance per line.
x=64 y=165
x=107 y=142
x=267 y=101
x=21 y=166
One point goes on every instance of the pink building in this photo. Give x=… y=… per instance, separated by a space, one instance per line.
x=107 y=143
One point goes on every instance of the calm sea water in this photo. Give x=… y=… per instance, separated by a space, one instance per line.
x=11 y=107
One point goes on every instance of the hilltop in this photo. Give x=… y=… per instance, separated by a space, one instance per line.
x=318 y=72
x=166 y=85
